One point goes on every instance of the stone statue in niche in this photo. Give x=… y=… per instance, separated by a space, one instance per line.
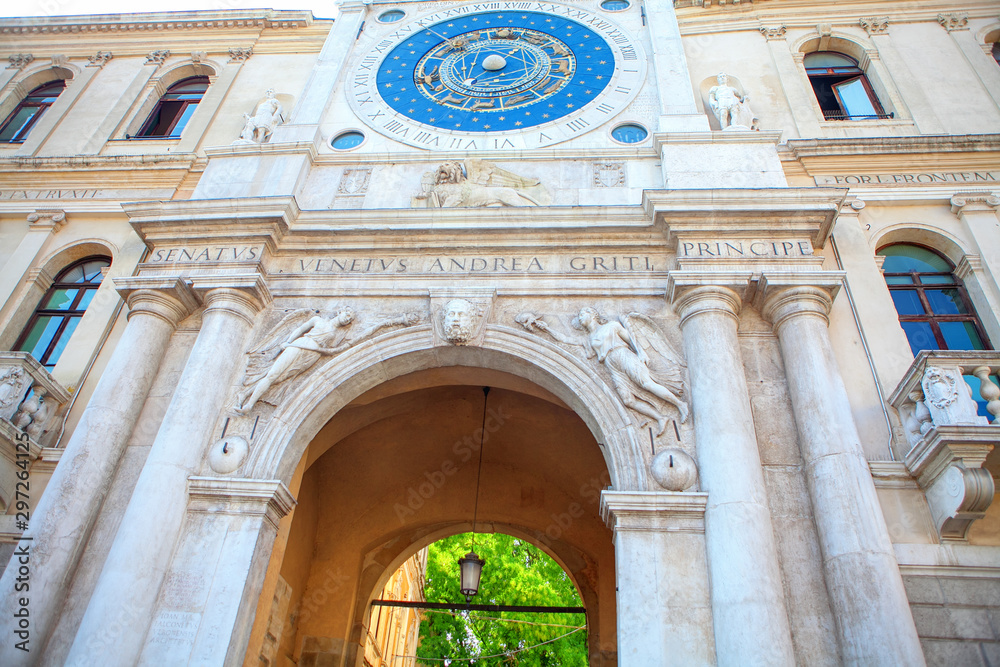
x=284 y=356
x=34 y=412
x=645 y=369
x=477 y=183
x=459 y=323
x=258 y=127
x=731 y=108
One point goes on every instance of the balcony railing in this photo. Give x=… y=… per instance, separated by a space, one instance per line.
x=840 y=115
x=31 y=415
x=949 y=440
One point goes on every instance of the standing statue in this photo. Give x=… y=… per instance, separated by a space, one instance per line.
x=258 y=127
x=732 y=109
x=624 y=348
x=283 y=357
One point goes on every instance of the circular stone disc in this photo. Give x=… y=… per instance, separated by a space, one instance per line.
x=493 y=62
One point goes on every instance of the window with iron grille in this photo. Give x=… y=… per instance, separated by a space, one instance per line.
x=841 y=87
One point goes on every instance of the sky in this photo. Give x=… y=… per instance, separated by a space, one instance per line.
x=319 y=8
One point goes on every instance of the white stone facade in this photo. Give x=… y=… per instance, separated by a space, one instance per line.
x=275 y=392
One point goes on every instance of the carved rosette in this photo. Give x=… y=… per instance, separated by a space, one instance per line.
x=240 y=54
x=772 y=33
x=20 y=60
x=875 y=25
x=100 y=59
x=157 y=57
x=952 y=22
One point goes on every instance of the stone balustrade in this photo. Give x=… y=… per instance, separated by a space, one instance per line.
x=31 y=406
x=949 y=441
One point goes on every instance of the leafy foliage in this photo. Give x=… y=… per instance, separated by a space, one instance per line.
x=516 y=573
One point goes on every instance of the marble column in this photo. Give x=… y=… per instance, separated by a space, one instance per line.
x=217 y=572
x=748 y=603
x=664 y=613
x=66 y=512
x=862 y=578
x=120 y=609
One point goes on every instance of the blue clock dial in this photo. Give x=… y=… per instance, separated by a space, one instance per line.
x=495 y=71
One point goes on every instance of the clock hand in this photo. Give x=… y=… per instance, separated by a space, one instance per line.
x=447 y=39
x=470 y=81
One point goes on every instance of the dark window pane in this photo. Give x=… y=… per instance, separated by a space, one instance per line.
x=63 y=339
x=828 y=59
x=905 y=258
x=49 y=92
x=61 y=299
x=91 y=271
x=920 y=335
x=946 y=302
x=183 y=120
x=898 y=280
x=19 y=123
x=41 y=334
x=961 y=336
x=936 y=280
x=907 y=302
x=88 y=296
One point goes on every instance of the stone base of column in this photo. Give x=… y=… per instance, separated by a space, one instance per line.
x=664 y=605
x=205 y=608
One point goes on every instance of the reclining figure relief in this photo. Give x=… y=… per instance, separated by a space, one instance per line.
x=477 y=183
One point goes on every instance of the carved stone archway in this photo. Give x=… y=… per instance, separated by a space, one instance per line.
x=282 y=442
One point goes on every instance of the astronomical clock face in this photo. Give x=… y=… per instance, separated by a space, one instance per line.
x=501 y=75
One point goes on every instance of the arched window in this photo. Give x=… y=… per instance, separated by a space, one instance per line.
x=841 y=87
x=60 y=310
x=174 y=109
x=20 y=121
x=933 y=306
x=996 y=52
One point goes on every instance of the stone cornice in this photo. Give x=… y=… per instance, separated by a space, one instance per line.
x=783 y=211
x=156 y=22
x=649 y=511
x=867 y=146
x=96 y=162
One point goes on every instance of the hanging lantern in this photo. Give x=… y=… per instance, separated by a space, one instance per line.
x=470 y=569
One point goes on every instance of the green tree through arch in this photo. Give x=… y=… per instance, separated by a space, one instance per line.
x=516 y=573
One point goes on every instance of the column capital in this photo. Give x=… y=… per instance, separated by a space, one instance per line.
x=243 y=294
x=778 y=305
x=269 y=498
x=654 y=511
x=707 y=298
x=169 y=298
x=965 y=202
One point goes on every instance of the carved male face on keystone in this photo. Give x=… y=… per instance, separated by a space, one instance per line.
x=458 y=321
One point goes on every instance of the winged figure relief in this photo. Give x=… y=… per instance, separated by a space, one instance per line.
x=646 y=371
x=477 y=183
x=294 y=346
